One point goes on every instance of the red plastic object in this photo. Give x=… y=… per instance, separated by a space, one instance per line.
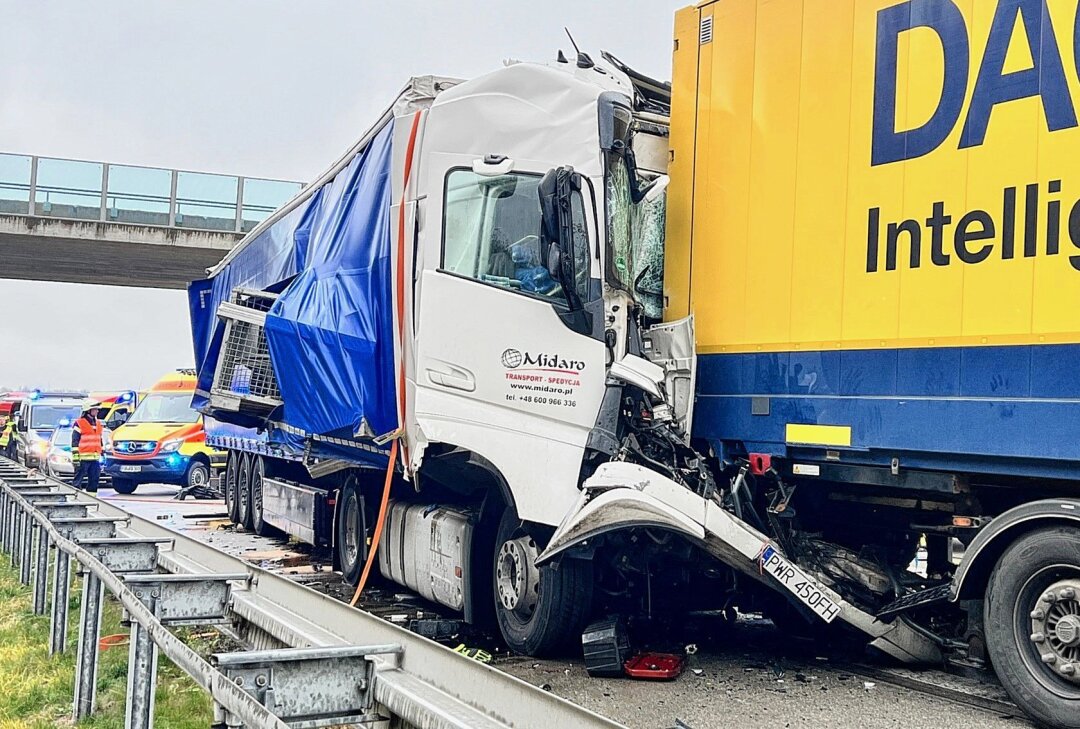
x=760 y=463
x=654 y=666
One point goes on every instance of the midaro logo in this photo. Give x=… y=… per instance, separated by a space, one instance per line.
x=974 y=236
x=514 y=358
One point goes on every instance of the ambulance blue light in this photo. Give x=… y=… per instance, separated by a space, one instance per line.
x=125 y=396
x=64 y=422
x=173 y=459
x=35 y=394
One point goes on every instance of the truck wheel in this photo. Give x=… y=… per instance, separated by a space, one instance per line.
x=1032 y=608
x=232 y=469
x=243 y=492
x=258 y=472
x=540 y=611
x=350 y=533
x=124 y=485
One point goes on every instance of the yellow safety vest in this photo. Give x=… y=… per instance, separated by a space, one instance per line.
x=5 y=433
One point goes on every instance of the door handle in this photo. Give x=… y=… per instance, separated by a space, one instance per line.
x=453 y=377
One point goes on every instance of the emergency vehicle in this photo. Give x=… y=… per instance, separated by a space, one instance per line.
x=163 y=441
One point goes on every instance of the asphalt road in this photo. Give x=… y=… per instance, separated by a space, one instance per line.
x=747 y=675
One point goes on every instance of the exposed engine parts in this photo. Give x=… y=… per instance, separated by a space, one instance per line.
x=653 y=439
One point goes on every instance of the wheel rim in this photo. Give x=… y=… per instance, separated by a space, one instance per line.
x=517 y=578
x=230 y=483
x=256 y=495
x=1047 y=647
x=198 y=477
x=243 y=487
x=1055 y=629
x=352 y=531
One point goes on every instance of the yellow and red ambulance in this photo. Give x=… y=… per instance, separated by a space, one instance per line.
x=163 y=441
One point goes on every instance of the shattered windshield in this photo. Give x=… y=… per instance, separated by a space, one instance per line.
x=636 y=239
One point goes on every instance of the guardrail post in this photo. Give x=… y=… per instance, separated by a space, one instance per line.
x=32 y=208
x=26 y=552
x=102 y=214
x=41 y=575
x=172 y=199
x=16 y=534
x=61 y=587
x=87 y=657
x=142 y=679
x=239 y=222
x=7 y=517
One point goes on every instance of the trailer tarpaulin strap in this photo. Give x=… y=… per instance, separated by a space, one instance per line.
x=400 y=302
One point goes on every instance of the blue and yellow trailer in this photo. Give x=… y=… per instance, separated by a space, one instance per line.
x=874 y=215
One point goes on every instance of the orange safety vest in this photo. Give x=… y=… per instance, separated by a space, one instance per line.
x=89 y=439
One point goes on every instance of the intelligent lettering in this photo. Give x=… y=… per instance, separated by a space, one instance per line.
x=1028 y=223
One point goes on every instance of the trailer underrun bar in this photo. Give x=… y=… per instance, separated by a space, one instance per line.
x=309 y=660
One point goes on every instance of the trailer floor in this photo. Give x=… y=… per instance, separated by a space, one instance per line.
x=746 y=675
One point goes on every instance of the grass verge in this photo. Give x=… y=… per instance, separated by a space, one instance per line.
x=36 y=688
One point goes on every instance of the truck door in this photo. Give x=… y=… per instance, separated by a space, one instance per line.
x=505 y=366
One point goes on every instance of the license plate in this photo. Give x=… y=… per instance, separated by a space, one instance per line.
x=798 y=584
x=130 y=469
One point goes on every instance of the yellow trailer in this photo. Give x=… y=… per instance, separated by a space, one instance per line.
x=875 y=218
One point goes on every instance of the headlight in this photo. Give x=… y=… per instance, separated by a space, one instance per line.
x=41 y=445
x=171 y=446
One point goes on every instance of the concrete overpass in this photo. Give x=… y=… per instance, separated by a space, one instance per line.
x=95 y=222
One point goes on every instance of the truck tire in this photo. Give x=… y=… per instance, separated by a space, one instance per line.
x=124 y=485
x=232 y=472
x=1032 y=638
x=540 y=612
x=350 y=532
x=243 y=492
x=258 y=472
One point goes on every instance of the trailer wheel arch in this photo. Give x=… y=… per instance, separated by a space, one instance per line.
x=973 y=574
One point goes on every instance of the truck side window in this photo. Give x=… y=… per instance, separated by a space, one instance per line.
x=491 y=233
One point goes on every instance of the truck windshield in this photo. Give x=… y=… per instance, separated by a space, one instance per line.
x=45 y=417
x=165 y=407
x=635 y=239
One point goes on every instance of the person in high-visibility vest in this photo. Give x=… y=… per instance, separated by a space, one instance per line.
x=6 y=429
x=87 y=435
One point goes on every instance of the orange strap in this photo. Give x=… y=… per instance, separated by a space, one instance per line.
x=400 y=308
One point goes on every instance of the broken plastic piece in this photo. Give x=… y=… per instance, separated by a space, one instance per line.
x=606 y=647
x=655 y=666
x=477 y=654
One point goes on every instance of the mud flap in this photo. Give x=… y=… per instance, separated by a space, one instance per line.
x=626 y=496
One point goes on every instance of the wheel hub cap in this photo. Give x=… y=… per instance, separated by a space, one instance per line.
x=517 y=578
x=1055 y=628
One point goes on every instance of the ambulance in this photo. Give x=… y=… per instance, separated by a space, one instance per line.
x=163 y=441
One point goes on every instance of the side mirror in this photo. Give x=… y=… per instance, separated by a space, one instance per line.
x=116 y=421
x=556 y=190
x=20 y=425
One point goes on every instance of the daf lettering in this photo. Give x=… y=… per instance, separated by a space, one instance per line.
x=993 y=85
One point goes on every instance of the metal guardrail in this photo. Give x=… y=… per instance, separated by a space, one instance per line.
x=113 y=193
x=303 y=668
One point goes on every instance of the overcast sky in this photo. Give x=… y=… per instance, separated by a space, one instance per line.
x=261 y=88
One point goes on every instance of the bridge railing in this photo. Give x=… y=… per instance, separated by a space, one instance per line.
x=111 y=193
